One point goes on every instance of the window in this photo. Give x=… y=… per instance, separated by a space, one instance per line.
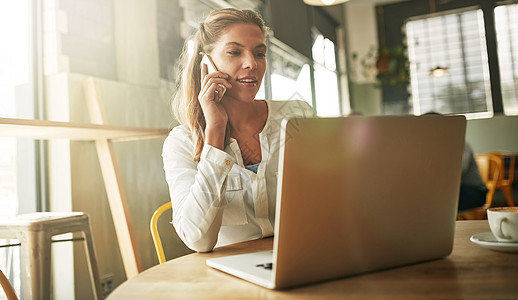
x=326 y=80
x=14 y=59
x=506 y=23
x=289 y=74
x=495 y=62
x=454 y=44
x=17 y=100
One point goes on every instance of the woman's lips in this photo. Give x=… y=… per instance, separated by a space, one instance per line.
x=247 y=81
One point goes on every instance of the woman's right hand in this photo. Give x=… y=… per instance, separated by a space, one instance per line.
x=215 y=115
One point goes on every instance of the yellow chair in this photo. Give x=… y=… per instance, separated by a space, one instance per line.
x=8 y=288
x=506 y=178
x=489 y=166
x=154 y=231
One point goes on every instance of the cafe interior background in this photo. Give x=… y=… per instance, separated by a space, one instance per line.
x=374 y=57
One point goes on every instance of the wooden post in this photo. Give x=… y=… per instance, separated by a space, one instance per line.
x=113 y=184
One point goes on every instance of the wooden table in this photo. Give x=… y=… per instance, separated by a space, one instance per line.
x=103 y=135
x=469 y=272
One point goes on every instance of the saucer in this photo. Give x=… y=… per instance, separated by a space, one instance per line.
x=488 y=240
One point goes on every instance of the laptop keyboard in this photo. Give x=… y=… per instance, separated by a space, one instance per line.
x=266 y=266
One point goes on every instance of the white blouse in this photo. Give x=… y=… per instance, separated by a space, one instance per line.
x=218 y=201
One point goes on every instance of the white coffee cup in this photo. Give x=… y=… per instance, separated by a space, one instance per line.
x=503 y=222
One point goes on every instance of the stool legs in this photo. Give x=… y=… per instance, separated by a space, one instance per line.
x=36 y=265
x=36 y=253
x=92 y=264
x=35 y=232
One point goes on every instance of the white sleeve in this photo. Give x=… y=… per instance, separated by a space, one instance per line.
x=197 y=190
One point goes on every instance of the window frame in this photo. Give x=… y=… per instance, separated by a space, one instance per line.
x=416 y=105
x=392 y=17
x=31 y=162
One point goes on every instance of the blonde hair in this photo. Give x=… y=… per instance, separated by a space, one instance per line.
x=186 y=106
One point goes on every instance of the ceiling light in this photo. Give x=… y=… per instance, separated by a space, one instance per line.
x=438 y=71
x=324 y=2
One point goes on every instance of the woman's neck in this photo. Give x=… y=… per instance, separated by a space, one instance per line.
x=245 y=117
x=247 y=120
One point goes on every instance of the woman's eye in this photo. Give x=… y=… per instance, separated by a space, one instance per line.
x=261 y=54
x=233 y=52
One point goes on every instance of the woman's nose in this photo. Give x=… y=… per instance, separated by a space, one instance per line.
x=249 y=62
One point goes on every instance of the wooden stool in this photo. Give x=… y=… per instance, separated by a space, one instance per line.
x=35 y=231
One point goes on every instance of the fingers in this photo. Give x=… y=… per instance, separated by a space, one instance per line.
x=217 y=77
x=212 y=92
x=213 y=85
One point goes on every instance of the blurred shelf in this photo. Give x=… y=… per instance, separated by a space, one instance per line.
x=44 y=130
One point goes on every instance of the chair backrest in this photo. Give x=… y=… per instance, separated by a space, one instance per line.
x=154 y=231
x=507 y=173
x=489 y=167
x=8 y=288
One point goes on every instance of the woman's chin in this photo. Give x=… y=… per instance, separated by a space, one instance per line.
x=244 y=97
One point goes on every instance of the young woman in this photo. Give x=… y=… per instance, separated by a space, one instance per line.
x=221 y=162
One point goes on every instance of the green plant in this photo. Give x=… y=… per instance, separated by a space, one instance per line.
x=392 y=66
x=389 y=65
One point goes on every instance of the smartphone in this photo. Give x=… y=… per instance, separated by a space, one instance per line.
x=211 y=68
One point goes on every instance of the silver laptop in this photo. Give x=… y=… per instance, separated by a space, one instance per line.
x=357 y=195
